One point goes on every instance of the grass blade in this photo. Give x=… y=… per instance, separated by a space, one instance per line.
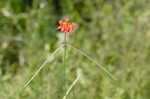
x=48 y=59
x=92 y=60
x=71 y=86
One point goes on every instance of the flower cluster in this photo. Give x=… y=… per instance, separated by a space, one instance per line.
x=66 y=26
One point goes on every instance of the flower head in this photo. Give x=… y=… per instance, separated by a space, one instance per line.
x=66 y=26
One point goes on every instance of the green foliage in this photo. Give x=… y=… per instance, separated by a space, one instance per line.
x=115 y=33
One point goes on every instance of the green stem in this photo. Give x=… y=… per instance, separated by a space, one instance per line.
x=48 y=59
x=64 y=58
x=92 y=60
x=71 y=87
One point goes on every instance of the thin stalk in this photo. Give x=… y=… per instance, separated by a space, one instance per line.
x=65 y=59
x=48 y=59
x=71 y=86
x=92 y=60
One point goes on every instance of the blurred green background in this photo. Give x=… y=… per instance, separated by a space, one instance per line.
x=115 y=33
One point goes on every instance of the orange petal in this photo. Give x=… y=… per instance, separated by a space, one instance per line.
x=59 y=27
x=66 y=20
x=60 y=22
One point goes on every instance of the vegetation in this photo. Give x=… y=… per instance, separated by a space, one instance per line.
x=114 y=33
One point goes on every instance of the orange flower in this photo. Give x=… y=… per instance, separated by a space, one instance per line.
x=66 y=26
